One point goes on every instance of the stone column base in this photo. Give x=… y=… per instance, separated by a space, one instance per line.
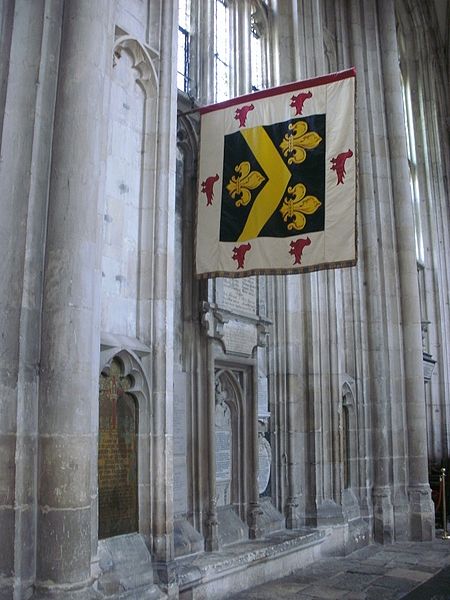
x=383 y=515
x=255 y=521
x=292 y=518
x=212 y=536
x=422 y=513
x=81 y=591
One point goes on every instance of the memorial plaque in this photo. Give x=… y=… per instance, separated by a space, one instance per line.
x=179 y=485
x=263 y=397
x=238 y=295
x=264 y=466
x=117 y=456
x=179 y=415
x=239 y=338
x=428 y=366
x=223 y=455
x=223 y=447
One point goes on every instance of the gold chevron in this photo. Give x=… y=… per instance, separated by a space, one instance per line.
x=278 y=176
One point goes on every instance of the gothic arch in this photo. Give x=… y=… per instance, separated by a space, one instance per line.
x=234 y=393
x=187 y=136
x=187 y=152
x=132 y=367
x=130 y=202
x=228 y=384
x=139 y=389
x=142 y=62
x=262 y=15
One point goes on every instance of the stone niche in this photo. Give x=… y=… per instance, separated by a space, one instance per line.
x=117 y=455
x=223 y=440
x=124 y=565
x=233 y=459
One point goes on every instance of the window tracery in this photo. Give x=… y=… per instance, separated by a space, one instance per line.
x=221 y=50
x=184 y=39
x=413 y=170
x=258 y=27
x=411 y=150
x=235 y=36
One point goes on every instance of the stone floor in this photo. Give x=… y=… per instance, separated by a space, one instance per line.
x=373 y=573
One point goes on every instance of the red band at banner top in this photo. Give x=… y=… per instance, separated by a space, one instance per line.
x=282 y=89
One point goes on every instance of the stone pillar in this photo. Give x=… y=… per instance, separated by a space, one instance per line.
x=295 y=401
x=70 y=315
x=212 y=523
x=307 y=372
x=421 y=507
x=376 y=367
x=29 y=34
x=203 y=54
x=276 y=361
x=6 y=29
x=255 y=512
x=241 y=68
x=163 y=300
x=283 y=56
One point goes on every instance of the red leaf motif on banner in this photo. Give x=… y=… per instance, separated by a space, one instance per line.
x=338 y=165
x=242 y=113
x=208 y=188
x=297 y=247
x=239 y=253
x=298 y=101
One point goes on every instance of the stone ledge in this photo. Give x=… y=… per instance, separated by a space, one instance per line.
x=235 y=568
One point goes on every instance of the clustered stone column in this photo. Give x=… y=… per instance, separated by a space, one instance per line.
x=212 y=522
x=377 y=367
x=203 y=58
x=70 y=332
x=163 y=303
x=26 y=114
x=421 y=508
x=240 y=19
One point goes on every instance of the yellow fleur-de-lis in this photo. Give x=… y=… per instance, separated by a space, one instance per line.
x=241 y=184
x=294 y=144
x=298 y=206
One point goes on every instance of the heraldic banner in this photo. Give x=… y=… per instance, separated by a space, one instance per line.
x=277 y=180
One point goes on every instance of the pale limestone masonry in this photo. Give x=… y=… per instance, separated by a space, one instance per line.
x=320 y=374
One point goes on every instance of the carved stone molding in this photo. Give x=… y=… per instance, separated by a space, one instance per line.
x=143 y=61
x=239 y=335
x=212 y=321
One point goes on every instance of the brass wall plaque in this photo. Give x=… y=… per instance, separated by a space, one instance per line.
x=117 y=456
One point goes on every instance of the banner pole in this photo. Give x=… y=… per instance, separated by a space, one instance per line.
x=188 y=112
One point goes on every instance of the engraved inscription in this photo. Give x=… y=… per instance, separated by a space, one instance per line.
x=117 y=456
x=223 y=443
x=263 y=397
x=265 y=461
x=179 y=485
x=179 y=415
x=239 y=295
x=223 y=455
x=239 y=338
